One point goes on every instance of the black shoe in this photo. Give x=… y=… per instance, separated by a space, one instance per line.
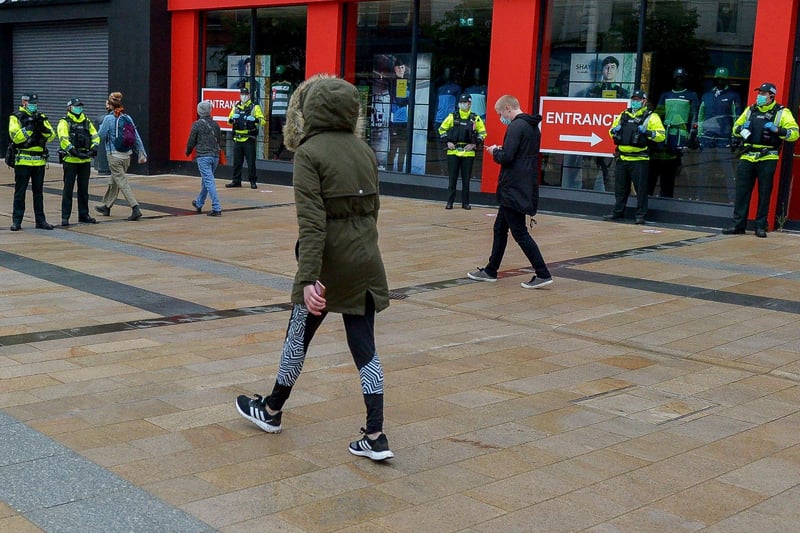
x=762 y=233
x=449 y=206
x=612 y=216
x=136 y=213
x=466 y=206
x=44 y=225
x=215 y=213
x=640 y=221
x=103 y=210
x=64 y=222
x=733 y=231
x=233 y=184
x=253 y=185
x=15 y=227
x=377 y=449
x=87 y=219
x=255 y=410
x=198 y=209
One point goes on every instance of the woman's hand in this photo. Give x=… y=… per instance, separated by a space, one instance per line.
x=315 y=302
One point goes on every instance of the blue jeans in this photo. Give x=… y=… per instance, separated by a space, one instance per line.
x=207 y=165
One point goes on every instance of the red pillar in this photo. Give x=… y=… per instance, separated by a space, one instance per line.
x=773 y=54
x=324 y=38
x=512 y=61
x=184 y=88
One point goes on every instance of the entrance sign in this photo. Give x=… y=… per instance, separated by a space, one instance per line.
x=579 y=125
x=222 y=101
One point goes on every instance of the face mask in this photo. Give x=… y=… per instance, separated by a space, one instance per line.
x=636 y=105
x=77 y=110
x=32 y=108
x=761 y=100
x=244 y=98
x=464 y=106
x=506 y=121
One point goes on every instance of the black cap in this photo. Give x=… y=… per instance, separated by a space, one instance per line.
x=31 y=97
x=74 y=101
x=465 y=98
x=638 y=93
x=244 y=90
x=767 y=87
x=680 y=72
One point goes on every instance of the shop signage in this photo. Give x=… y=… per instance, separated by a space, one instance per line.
x=222 y=101
x=579 y=125
x=23 y=3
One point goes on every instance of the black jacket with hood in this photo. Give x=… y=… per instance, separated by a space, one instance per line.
x=518 y=184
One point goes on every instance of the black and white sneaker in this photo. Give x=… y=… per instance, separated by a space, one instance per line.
x=255 y=410
x=377 y=449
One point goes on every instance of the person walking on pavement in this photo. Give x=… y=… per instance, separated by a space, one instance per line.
x=121 y=139
x=462 y=131
x=336 y=192
x=30 y=131
x=517 y=192
x=78 y=139
x=762 y=129
x=204 y=139
x=633 y=131
x=246 y=118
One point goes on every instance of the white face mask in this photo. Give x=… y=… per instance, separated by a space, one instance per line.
x=244 y=98
x=464 y=106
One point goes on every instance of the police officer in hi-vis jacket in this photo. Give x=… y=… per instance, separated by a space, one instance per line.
x=633 y=131
x=761 y=130
x=246 y=118
x=78 y=140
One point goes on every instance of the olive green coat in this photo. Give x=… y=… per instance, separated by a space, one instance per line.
x=336 y=194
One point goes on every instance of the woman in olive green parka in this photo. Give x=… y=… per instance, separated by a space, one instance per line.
x=340 y=268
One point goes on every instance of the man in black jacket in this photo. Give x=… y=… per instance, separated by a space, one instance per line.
x=517 y=192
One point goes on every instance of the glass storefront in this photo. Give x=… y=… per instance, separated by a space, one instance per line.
x=694 y=66
x=274 y=72
x=408 y=100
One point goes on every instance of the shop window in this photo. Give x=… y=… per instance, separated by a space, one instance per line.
x=695 y=68
x=277 y=67
x=452 y=58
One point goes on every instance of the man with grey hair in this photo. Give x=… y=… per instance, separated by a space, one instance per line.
x=204 y=140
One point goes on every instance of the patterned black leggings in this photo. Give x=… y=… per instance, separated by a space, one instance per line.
x=360 y=331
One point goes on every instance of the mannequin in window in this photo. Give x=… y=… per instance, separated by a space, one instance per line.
x=279 y=101
x=478 y=91
x=446 y=95
x=400 y=93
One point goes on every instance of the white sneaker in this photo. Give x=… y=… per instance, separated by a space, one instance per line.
x=536 y=283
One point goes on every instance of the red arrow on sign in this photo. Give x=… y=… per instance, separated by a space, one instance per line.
x=579 y=125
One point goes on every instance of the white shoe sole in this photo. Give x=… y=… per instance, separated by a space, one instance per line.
x=375 y=456
x=537 y=286
x=476 y=278
x=261 y=424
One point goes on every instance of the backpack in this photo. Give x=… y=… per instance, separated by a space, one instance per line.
x=124 y=134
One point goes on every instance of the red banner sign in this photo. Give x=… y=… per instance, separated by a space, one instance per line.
x=579 y=125
x=222 y=101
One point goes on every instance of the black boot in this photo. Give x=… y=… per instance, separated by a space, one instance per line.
x=103 y=210
x=136 y=214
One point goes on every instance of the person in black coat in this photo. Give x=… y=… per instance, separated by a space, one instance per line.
x=517 y=191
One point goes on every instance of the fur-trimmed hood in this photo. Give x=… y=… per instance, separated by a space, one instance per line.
x=321 y=103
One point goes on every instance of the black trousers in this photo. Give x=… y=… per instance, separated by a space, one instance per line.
x=360 y=332
x=22 y=175
x=76 y=172
x=665 y=170
x=456 y=165
x=514 y=221
x=746 y=176
x=241 y=151
x=628 y=172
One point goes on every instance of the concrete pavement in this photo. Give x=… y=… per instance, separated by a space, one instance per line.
x=652 y=387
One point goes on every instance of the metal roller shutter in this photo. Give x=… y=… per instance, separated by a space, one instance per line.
x=60 y=61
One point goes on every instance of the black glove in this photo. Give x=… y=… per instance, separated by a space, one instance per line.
x=93 y=151
x=74 y=152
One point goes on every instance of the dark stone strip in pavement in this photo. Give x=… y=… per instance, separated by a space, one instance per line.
x=58 y=490
x=99 y=329
x=119 y=292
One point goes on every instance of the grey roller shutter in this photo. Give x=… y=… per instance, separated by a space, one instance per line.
x=60 y=61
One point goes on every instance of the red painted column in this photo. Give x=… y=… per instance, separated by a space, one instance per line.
x=184 y=88
x=773 y=54
x=512 y=61
x=324 y=38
